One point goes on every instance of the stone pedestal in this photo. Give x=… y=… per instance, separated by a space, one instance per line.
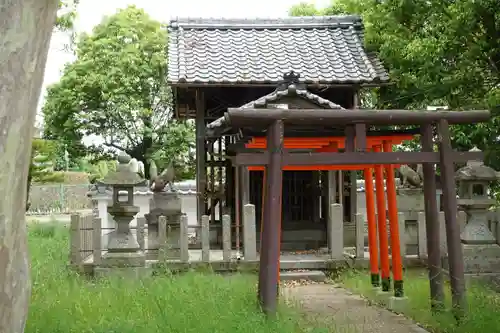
x=410 y=200
x=481 y=259
x=166 y=204
x=123 y=248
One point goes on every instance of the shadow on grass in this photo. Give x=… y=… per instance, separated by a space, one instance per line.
x=63 y=301
x=483 y=312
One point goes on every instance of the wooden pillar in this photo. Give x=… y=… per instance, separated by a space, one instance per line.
x=201 y=171
x=268 y=281
x=353 y=175
x=238 y=212
x=229 y=186
x=382 y=225
x=340 y=186
x=213 y=193
x=316 y=195
x=350 y=147
x=432 y=229
x=245 y=185
x=372 y=227
x=263 y=259
x=455 y=253
x=392 y=207
x=332 y=190
x=242 y=190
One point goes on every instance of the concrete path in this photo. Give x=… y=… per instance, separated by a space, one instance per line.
x=345 y=312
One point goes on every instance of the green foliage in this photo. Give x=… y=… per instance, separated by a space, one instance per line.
x=66 y=14
x=179 y=145
x=438 y=53
x=99 y=170
x=116 y=89
x=63 y=301
x=42 y=162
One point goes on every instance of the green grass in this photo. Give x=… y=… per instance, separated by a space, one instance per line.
x=483 y=303
x=64 y=302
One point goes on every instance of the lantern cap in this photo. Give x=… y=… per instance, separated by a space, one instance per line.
x=476 y=170
x=123 y=175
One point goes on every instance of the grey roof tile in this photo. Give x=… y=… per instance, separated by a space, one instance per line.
x=291 y=90
x=323 y=50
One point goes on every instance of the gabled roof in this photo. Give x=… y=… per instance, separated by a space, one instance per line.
x=291 y=88
x=324 y=49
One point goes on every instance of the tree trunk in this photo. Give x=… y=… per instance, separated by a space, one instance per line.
x=26 y=27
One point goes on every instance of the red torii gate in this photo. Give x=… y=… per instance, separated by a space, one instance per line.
x=377 y=144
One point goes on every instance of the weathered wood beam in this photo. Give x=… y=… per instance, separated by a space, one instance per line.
x=350 y=146
x=299 y=131
x=262 y=117
x=455 y=251
x=356 y=158
x=432 y=228
x=201 y=174
x=270 y=253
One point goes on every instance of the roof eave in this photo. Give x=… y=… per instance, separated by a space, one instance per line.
x=180 y=84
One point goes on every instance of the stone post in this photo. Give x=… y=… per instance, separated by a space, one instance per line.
x=422 y=236
x=96 y=240
x=336 y=229
x=226 y=237
x=162 y=246
x=205 y=238
x=141 y=223
x=184 y=238
x=360 y=236
x=75 y=240
x=166 y=204
x=249 y=233
x=402 y=236
x=442 y=234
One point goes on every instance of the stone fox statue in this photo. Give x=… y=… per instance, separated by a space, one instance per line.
x=167 y=177
x=410 y=176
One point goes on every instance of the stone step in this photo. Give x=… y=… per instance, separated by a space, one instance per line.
x=315 y=276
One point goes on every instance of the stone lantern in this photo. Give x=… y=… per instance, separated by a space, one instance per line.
x=473 y=181
x=123 y=248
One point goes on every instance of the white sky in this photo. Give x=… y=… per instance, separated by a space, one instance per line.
x=91 y=12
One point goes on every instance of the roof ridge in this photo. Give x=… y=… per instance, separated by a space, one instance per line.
x=268 y=23
x=291 y=89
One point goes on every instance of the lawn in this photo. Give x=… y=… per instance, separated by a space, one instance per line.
x=64 y=302
x=483 y=303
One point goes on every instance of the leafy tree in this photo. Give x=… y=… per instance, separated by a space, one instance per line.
x=66 y=14
x=42 y=162
x=41 y=169
x=116 y=89
x=438 y=53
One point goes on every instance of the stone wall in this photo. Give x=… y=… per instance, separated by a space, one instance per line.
x=58 y=199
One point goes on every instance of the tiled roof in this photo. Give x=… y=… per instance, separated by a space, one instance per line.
x=324 y=50
x=291 y=89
